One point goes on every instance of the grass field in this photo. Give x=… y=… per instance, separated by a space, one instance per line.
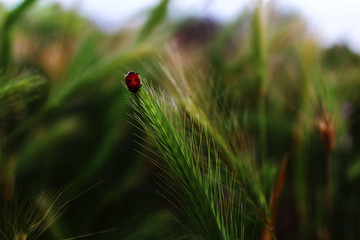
x=244 y=130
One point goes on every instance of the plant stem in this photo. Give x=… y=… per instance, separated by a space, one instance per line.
x=329 y=202
x=259 y=54
x=262 y=122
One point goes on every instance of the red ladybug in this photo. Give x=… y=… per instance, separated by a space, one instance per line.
x=133 y=81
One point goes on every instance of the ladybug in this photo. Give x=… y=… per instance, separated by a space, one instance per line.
x=133 y=81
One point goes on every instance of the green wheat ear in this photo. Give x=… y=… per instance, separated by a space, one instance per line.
x=29 y=219
x=203 y=103
x=16 y=90
x=195 y=180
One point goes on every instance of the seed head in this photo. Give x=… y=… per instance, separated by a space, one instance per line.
x=327 y=132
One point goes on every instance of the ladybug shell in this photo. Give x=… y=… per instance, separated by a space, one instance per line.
x=133 y=81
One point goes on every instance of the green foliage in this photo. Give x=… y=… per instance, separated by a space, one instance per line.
x=5 y=41
x=157 y=15
x=251 y=129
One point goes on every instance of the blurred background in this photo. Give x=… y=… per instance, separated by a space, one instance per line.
x=75 y=162
x=332 y=22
